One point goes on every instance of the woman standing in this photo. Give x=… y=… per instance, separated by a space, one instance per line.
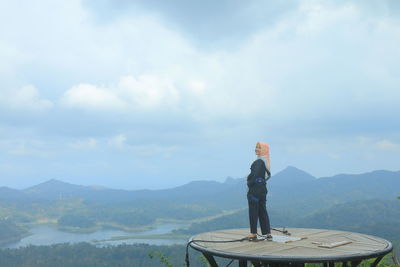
x=257 y=193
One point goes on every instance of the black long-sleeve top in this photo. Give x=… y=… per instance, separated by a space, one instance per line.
x=257 y=178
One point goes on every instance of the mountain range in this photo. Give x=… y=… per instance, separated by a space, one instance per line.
x=363 y=202
x=292 y=189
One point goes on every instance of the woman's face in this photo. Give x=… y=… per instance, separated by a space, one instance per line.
x=258 y=149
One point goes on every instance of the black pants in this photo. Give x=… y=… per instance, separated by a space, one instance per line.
x=258 y=211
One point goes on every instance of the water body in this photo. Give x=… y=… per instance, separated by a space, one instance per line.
x=45 y=235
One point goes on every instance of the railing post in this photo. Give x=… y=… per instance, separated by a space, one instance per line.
x=377 y=260
x=210 y=259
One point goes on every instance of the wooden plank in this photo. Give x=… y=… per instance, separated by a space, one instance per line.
x=305 y=252
x=337 y=243
x=367 y=239
x=332 y=245
x=353 y=244
x=254 y=249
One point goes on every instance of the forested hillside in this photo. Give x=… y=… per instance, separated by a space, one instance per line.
x=86 y=255
x=376 y=217
x=365 y=203
x=293 y=197
x=10 y=232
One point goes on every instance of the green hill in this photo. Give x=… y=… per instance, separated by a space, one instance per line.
x=375 y=217
x=10 y=232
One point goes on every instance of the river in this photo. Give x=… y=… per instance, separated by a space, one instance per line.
x=45 y=235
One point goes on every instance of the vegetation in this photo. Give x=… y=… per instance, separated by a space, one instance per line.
x=387 y=261
x=86 y=255
x=77 y=214
x=10 y=232
x=302 y=202
x=376 y=217
x=75 y=220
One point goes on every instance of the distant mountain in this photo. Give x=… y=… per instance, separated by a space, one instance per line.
x=55 y=189
x=294 y=198
x=188 y=193
x=14 y=195
x=291 y=189
x=376 y=184
x=292 y=177
x=285 y=190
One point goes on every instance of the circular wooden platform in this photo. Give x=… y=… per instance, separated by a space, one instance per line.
x=303 y=246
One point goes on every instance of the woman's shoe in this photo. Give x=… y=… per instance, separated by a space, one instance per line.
x=252 y=237
x=267 y=237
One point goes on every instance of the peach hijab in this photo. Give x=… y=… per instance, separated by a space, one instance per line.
x=262 y=151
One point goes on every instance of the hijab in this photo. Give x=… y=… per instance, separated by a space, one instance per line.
x=264 y=153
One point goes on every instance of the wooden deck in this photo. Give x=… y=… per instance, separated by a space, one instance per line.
x=303 y=245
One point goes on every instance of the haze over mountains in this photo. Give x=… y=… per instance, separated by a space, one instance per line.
x=291 y=187
x=364 y=203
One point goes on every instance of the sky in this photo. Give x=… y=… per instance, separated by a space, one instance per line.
x=154 y=94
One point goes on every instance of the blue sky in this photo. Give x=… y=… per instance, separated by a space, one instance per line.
x=154 y=94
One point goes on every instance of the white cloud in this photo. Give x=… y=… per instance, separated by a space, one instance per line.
x=88 y=96
x=145 y=93
x=373 y=144
x=148 y=92
x=323 y=71
x=86 y=144
x=10 y=58
x=338 y=147
x=154 y=150
x=387 y=145
x=317 y=16
x=334 y=156
x=24 y=147
x=197 y=87
x=278 y=72
x=24 y=98
x=6 y=167
x=118 y=141
x=141 y=150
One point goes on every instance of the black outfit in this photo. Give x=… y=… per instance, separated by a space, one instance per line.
x=256 y=196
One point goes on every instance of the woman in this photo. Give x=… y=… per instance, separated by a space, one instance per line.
x=256 y=196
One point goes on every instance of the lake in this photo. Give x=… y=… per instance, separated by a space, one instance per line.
x=45 y=235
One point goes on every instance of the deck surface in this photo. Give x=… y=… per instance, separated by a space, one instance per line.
x=307 y=249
